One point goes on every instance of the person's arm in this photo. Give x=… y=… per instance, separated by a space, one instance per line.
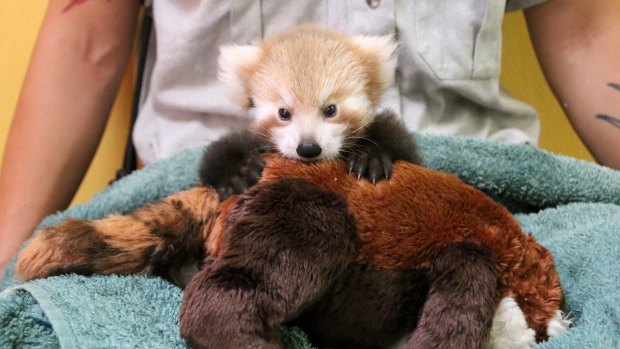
x=75 y=70
x=578 y=45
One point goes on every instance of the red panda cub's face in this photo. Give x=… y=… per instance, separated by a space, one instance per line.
x=311 y=91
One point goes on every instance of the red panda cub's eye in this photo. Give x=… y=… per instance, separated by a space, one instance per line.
x=330 y=111
x=284 y=114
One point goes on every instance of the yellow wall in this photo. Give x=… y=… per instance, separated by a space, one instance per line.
x=19 y=23
x=18 y=28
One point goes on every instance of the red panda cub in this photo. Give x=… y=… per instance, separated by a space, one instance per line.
x=313 y=95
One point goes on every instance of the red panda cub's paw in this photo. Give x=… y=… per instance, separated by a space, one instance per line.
x=369 y=162
x=233 y=164
x=385 y=141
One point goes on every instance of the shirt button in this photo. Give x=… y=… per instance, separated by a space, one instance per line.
x=373 y=3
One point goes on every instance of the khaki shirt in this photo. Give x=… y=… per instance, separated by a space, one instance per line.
x=447 y=81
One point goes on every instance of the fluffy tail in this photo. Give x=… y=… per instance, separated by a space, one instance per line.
x=150 y=241
x=536 y=287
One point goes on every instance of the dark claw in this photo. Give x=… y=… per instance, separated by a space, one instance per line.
x=387 y=165
x=375 y=170
x=224 y=192
x=351 y=162
x=372 y=165
x=361 y=166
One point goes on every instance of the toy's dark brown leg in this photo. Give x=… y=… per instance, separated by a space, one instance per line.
x=287 y=242
x=459 y=310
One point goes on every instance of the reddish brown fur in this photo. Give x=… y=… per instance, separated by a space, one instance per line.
x=214 y=244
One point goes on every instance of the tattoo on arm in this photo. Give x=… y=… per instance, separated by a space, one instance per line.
x=73 y=3
x=614 y=85
x=608 y=118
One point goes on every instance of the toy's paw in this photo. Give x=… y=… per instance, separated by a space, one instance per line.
x=217 y=313
x=558 y=324
x=370 y=163
x=510 y=330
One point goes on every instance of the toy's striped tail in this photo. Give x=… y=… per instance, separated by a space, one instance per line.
x=149 y=241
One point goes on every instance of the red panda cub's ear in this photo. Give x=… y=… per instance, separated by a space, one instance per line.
x=237 y=64
x=378 y=55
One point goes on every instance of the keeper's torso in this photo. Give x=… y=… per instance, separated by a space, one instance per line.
x=446 y=81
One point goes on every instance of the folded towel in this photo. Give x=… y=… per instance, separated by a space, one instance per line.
x=571 y=207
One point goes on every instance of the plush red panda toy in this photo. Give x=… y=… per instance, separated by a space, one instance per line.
x=422 y=256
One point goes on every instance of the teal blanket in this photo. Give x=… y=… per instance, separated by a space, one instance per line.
x=571 y=207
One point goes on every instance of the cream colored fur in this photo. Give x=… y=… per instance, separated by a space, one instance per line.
x=304 y=70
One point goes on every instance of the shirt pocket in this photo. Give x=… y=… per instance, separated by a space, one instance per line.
x=460 y=39
x=246 y=27
x=362 y=17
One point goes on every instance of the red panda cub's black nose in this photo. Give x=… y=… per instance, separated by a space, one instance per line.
x=308 y=150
